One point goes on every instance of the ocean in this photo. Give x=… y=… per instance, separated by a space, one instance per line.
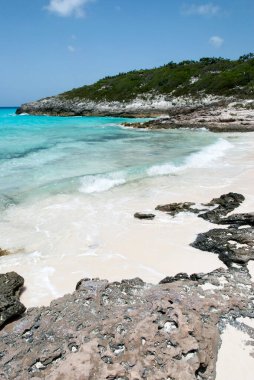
x=69 y=187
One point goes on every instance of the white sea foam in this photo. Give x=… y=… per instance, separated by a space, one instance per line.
x=97 y=184
x=205 y=157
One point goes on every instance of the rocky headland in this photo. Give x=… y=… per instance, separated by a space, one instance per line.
x=213 y=113
x=134 y=330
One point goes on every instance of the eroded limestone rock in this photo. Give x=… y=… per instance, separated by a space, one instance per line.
x=127 y=330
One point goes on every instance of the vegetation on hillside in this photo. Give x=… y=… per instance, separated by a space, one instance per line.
x=216 y=76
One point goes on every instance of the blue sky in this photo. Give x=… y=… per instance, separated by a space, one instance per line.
x=49 y=46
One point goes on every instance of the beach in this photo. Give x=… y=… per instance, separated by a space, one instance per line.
x=70 y=228
x=65 y=237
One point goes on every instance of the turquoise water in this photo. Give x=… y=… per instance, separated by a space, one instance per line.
x=42 y=155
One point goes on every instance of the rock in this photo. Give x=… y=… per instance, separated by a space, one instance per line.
x=139 y=215
x=238 y=220
x=178 y=277
x=175 y=208
x=232 y=245
x=4 y=252
x=127 y=330
x=225 y=204
x=10 y=307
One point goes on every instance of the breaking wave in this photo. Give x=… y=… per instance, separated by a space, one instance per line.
x=204 y=158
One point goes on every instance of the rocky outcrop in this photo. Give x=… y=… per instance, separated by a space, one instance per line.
x=128 y=330
x=10 y=287
x=238 y=220
x=214 y=211
x=214 y=113
x=228 y=117
x=232 y=245
x=222 y=206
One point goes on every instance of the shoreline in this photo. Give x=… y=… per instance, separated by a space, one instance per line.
x=217 y=114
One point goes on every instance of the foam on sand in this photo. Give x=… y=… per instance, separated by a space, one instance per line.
x=99 y=183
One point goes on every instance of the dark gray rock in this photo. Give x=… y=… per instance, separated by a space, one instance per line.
x=140 y=215
x=232 y=245
x=10 y=307
x=238 y=220
x=226 y=203
x=175 y=208
x=178 y=277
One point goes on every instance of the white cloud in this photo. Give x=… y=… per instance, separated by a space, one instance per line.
x=216 y=41
x=71 y=48
x=67 y=8
x=206 y=9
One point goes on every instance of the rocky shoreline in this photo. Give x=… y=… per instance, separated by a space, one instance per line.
x=234 y=117
x=213 y=113
x=134 y=330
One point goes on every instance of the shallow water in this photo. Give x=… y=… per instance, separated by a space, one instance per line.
x=42 y=155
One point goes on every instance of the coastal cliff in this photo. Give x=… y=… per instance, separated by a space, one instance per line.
x=173 y=89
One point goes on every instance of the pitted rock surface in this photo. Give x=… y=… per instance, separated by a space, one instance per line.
x=10 y=307
x=128 y=330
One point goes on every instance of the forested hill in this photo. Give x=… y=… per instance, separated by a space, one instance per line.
x=215 y=76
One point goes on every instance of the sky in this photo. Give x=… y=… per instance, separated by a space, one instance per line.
x=50 y=46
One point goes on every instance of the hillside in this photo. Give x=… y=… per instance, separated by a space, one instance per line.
x=167 y=90
x=215 y=76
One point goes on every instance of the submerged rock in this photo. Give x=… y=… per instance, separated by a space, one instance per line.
x=127 y=330
x=10 y=307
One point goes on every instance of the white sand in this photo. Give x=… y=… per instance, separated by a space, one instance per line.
x=234 y=360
